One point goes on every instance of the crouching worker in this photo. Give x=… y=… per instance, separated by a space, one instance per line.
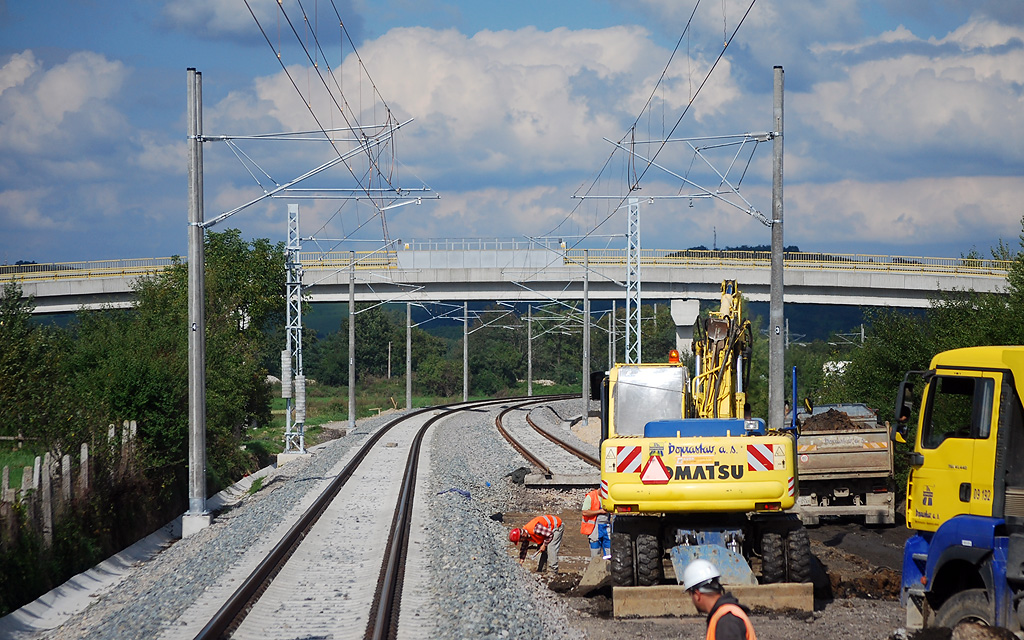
x=727 y=618
x=546 y=533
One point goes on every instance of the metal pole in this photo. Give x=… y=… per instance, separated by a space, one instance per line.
x=465 y=351
x=196 y=299
x=776 y=365
x=529 y=350
x=352 y=341
x=586 y=334
x=612 y=354
x=408 y=355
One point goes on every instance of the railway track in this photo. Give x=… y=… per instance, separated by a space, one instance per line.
x=558 y=457
x=315 y=581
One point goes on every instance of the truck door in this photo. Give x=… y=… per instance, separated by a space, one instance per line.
x=954 y=470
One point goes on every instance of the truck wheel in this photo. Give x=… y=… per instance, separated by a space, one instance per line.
x=972 y=605
x=773 y=559
x=648 y=560
x=621 y=565
x=798 y=556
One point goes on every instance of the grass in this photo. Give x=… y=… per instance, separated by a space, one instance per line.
x=16 y=459
x=326 y=404
x=256 y=485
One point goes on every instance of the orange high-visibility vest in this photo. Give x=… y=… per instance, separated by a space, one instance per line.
x=736 y=611
x=589 y=522
x=549 y=521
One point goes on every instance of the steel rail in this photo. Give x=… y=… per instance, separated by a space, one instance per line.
x=233 y=611
x=387 y=600
x=518 y=446
x=579 y=453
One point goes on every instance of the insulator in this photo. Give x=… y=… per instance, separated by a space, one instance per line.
x=286 y=374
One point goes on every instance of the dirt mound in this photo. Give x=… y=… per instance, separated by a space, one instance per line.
x=880 y=584
x=831 y=420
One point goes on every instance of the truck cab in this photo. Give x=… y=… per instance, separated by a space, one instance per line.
x=965 y=490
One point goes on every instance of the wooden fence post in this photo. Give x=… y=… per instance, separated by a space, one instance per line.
x=65 y=477
x=83 y=472
x=47 y=501
x=7 y=522
x=28 y=496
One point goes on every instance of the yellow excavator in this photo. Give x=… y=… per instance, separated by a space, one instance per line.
x=722 y=344
x=685 y=471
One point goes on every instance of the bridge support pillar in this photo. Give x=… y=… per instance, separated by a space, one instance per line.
x=684 y=314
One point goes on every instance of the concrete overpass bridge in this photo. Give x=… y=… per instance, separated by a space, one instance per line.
x=518 y=270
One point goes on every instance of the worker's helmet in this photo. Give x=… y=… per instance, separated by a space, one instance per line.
x=699 y=573
x=514 y=535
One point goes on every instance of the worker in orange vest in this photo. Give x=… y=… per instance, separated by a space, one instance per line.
x=727 y=618
x=595 y=525
x=545 y=532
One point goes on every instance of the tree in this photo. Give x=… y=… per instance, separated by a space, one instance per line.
x=134 y=364
x=34 y=399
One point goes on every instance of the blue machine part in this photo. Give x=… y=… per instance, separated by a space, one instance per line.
x=962 y=537
x=731 y=565
x=704 y=428
x=915 y=553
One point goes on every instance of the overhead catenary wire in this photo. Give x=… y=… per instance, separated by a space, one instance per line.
x=634 y=180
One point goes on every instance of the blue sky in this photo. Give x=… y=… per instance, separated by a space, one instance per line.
x=904 y=120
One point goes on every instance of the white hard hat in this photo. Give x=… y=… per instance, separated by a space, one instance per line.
x=698 y=572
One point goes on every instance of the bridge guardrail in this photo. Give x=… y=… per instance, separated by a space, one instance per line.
x=649 y=257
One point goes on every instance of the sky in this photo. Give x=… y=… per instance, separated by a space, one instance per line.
x=903 y=128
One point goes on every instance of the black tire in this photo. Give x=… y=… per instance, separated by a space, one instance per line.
x=648 y=560
x=798 y=556
x=621 y=565
x=972 y=605
x=773 y=559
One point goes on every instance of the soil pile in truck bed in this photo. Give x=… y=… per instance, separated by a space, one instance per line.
x=831 y=420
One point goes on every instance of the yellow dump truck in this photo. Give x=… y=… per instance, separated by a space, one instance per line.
x=845 y=459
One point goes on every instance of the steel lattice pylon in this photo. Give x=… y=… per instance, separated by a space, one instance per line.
x=633 y=295
x=291 y=357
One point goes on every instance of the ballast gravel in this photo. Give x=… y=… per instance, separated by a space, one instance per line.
x=479 y=590
x=154 y=595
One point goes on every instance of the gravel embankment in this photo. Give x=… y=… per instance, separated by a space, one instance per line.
x=482 y=592
x=153 y=596
x=479 y=590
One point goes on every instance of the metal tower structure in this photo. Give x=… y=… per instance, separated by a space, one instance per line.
x=633 y=293
x=291 y=357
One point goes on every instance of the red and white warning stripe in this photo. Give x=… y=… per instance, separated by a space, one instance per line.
x=792 y=486
x=604 y=490
x=627 y=459
x=760 y=457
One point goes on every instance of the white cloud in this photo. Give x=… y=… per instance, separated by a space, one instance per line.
x=48 y=108
x=499 y=103
x=913 y=212
x=219 y=16
x=24 y=209
x=962 y=101
x=17 y=69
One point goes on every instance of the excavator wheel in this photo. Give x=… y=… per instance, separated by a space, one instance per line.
x=773 y=559
x=798 y=555
x=621 y=565
x=648 y=560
